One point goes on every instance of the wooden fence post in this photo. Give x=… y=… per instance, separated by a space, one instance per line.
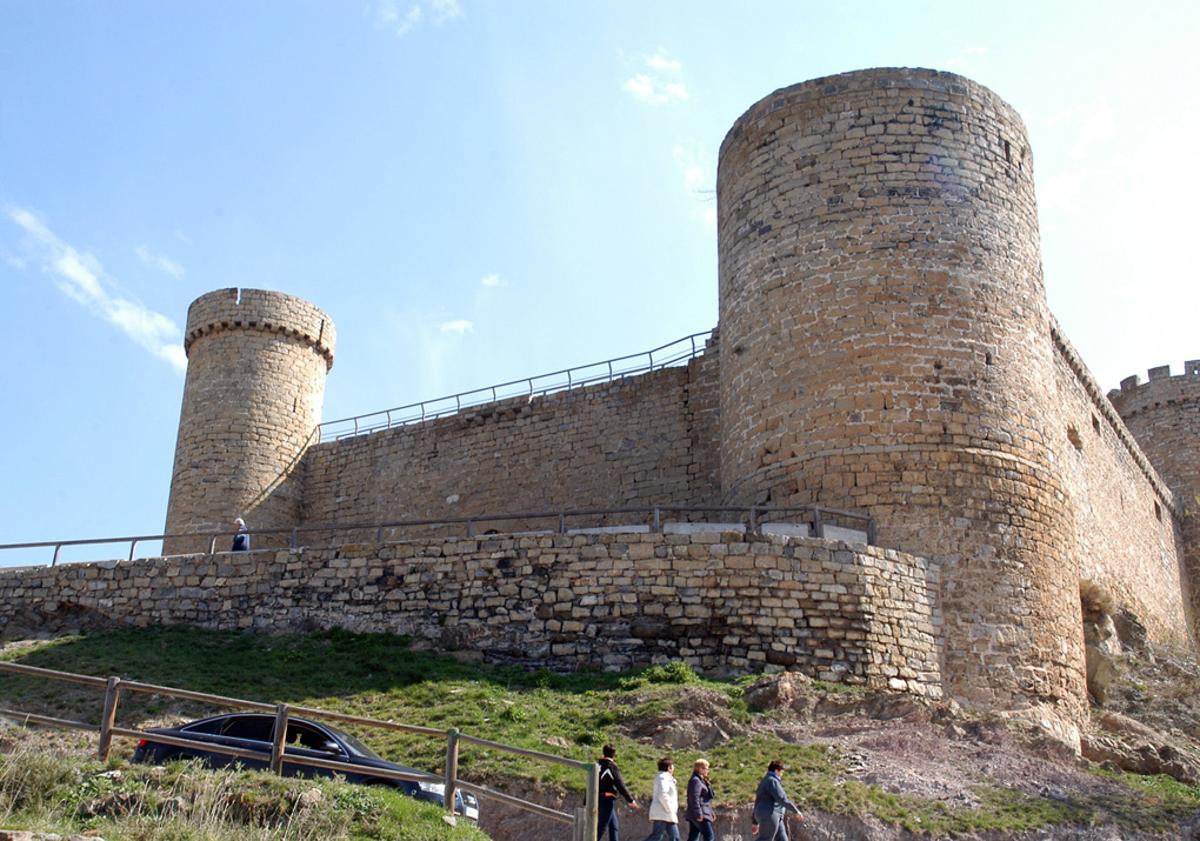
x=112 y=694
x=279 y=738
x=580 y=828
x=591 y=803
x=451 y=769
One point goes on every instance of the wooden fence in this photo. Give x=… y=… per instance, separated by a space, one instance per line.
x=584 y=819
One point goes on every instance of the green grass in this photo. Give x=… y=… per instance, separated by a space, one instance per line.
x=380 y=676
x=184 y=802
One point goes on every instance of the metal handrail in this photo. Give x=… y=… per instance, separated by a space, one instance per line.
x=677 y=351
x=755 y=516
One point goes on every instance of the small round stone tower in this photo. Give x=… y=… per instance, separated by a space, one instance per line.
x=886 y=347
x=1164 y=416
x=257 y=362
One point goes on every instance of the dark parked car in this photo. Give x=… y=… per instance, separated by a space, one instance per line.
x=253 y=731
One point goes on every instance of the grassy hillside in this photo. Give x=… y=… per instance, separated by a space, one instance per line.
x=58 y=792
x=380 y=676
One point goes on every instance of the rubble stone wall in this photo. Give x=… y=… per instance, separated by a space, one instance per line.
x=725 y=603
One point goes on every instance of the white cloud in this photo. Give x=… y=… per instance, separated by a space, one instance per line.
x=663 y=85
x=662 y=64
x=393 y=15
x=458 y=327
x=699 y=179
x=493 y=281
x=159 y=261
x=81 y=277
x=642 y=88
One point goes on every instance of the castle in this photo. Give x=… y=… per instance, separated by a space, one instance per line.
x=884 y=347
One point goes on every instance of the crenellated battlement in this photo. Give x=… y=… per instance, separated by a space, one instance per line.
x=1134 y=396
x=257 y=362
x=260 y=309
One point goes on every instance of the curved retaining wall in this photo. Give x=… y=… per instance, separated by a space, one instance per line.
x=255 y=385
x=885 y=346
x=722 y=602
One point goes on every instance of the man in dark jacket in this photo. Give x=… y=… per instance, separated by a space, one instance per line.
x=611 y=785
x=771 y=805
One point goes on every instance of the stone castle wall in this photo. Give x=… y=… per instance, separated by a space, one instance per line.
x=641 y=440
x=1129 y=535
x=255 y=385
x=885 y=348
x=1164 y=416
x=722 y=602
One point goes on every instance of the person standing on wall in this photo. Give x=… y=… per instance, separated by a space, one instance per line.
x=771 y=806
x=241 y=540
x=611 y=785
x=664 y=808
x=699 y=812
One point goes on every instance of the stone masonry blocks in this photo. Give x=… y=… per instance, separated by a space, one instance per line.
x=885 y=346
x=255 y=384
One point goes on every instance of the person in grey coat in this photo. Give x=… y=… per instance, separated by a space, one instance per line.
x=771 y=806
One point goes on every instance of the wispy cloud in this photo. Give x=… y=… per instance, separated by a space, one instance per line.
x=493 y=281
x=403 y=17
x=663 y=84
x=458 y=327
x=79 y=276
x=698 y=180
x=159 y=261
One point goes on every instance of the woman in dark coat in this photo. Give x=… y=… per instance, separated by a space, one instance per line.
x=699 y=812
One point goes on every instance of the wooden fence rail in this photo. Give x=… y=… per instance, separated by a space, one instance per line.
x=584 y=819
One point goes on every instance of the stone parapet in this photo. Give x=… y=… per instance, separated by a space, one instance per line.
x=724 y=603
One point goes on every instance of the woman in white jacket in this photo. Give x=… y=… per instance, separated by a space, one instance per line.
x=664 y=807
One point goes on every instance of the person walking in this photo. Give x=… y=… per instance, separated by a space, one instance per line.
x=699 y=812
x=771 y=806
x=611 y=785
x=664 y=808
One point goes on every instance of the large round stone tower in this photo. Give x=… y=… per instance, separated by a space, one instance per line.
x=257 y=362
x=885 y=346
x=1164 y=416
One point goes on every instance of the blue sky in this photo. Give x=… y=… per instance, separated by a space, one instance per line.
x=477 y=192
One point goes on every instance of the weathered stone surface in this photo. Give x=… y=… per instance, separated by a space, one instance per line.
x=454 y=594
x=885 y=346
x=255 y=387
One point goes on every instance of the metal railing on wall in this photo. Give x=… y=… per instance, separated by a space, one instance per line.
x=818 y=519
x=583 y=819
x=672 y=353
